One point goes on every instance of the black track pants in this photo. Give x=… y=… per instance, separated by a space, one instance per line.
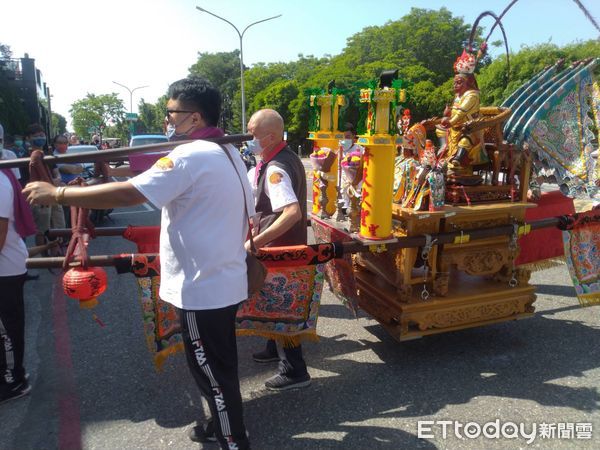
x=12 y=329
x=211 y=350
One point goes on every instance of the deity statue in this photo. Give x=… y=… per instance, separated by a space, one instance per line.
x=463 y=149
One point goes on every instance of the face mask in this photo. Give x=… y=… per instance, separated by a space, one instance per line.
x=346 y=143
x=254 y=146
x=19 y=143
x=172 y=132
x=38 y=142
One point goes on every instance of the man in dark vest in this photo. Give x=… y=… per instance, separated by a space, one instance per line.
x=279 y=183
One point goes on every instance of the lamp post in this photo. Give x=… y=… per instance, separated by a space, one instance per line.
x=131 y=91
x=241 y=36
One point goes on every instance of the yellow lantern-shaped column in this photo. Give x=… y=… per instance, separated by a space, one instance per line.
x=378 y=167
x=328 y=136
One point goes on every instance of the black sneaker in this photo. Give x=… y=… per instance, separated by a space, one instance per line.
x=17 y=389
x=265 y=356
x=203 y=433
x=281 y=382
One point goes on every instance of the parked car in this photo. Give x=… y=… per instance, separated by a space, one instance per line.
x=88 y=166
x=146 y=139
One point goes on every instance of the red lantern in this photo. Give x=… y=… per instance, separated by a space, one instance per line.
x=85 y=285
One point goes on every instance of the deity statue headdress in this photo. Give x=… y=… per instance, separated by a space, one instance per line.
x=465 y=63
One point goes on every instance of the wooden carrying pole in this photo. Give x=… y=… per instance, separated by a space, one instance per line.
x=348 y=247
x=119 y=154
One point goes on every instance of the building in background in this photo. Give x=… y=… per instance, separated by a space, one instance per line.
x=23 y=90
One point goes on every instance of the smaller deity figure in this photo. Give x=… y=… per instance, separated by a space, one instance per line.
x=404 y=122
x=407 y=163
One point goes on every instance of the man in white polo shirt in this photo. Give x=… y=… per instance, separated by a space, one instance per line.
x=202 y=255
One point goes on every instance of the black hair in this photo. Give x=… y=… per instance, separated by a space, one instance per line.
x=197 y=94
x=349 y=127
x=34 y=128
x=57 y=137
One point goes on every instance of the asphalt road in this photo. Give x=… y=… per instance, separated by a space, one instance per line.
x=96 y=387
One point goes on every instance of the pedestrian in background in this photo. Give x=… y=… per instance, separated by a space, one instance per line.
x=6 y=153
x=68 y=172
x=51 y=216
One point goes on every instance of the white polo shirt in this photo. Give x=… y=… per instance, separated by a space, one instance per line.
x=278 y=187
x=203 y=225
x=14 y=252
x=9 y=154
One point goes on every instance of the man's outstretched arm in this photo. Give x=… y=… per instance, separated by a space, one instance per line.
x=101 y=196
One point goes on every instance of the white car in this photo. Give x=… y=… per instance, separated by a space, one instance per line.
x=88 y=166
x=146 y=139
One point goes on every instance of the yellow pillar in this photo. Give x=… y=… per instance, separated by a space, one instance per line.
x=378 y=172
x=325 y=183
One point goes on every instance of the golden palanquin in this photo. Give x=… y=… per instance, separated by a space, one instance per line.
x=461 y=285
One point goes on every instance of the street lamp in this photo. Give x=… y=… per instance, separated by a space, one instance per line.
x=131 y=91
x=241 y=36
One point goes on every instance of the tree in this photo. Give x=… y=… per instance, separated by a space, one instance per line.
x=94 y=112
x=59 y=123
x=422 y=45
x=151 y=116
x=223 y=71
x=496 y=84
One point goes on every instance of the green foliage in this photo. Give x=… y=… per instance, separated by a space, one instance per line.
x=422 y=45
x=525 y=64
x=59 y=124
x=5 y=51
x=223 y=71
x=426 y=38
x=95 y=112
x=151 y=116
x=278 y=96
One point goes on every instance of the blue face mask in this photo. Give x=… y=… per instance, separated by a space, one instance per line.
x=19 y=143
x=172 y=132
x=254 y=146
x=346 y=144
x=38 y=142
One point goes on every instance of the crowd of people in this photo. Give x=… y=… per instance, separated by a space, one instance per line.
x=203 y=243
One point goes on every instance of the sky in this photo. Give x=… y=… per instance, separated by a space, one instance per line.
x=84 y=47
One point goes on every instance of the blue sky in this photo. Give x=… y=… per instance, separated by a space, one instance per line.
x=82 y=46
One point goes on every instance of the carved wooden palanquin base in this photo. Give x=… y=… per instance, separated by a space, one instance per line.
x=464 y=195
x=472 y=302
x=468 y=281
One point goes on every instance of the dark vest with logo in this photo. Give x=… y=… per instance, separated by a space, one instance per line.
x=287 y=160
